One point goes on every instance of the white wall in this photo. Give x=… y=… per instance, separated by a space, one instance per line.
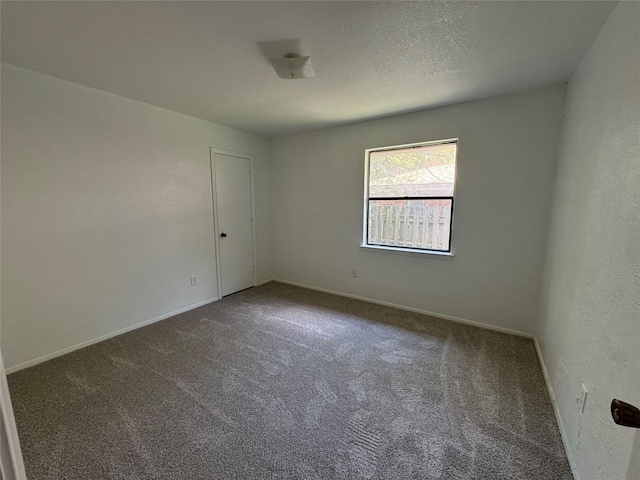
x=106 y=212
x=506 y=165
x=589 y=328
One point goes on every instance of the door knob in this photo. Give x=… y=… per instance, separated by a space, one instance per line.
x=625 y=414
x=223 y=235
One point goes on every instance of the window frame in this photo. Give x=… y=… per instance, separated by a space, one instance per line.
x=365 y=210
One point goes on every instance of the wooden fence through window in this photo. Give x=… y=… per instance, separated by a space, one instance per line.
x=412 y=226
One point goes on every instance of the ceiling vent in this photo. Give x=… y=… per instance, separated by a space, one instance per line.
x=292 y=66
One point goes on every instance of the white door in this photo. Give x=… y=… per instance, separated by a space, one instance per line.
x=233 y=208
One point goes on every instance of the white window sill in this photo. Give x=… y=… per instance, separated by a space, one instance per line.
x=409 y=252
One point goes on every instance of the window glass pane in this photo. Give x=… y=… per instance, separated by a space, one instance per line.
x=427 y=171
x=421 y=224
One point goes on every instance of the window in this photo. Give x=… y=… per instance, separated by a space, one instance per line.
x=409 y=191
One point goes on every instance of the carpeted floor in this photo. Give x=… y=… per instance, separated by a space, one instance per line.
x=280 y=382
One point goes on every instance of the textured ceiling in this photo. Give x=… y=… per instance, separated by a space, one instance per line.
x=208 y=59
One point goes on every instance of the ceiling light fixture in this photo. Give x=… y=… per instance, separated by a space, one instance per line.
x=292 y=66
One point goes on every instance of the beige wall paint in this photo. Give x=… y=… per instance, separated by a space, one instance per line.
x=106 y=212
x=11 y=463
x=506 y=164
x=589 y=329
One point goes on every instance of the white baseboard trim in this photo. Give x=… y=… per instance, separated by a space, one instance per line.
x=264 y=281
x=556 y=411
x=58 y=353
x=411 y=309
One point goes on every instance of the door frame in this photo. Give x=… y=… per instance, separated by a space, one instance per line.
x=216 y=226
x=11 y=462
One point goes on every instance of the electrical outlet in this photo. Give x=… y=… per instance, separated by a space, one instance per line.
x=354 y=273
x=194 y=280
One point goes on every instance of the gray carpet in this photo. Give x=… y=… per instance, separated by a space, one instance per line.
x=280 y=382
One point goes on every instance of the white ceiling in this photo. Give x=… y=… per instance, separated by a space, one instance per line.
x=372 y=59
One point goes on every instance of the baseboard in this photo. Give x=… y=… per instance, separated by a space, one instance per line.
x=411 y=309
x=50 y=356
x=556 y=411
x=264 y=281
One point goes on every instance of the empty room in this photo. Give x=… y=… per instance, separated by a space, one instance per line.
x=320 y=240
